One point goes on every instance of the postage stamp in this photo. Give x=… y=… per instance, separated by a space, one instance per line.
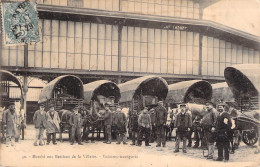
x=20 y=23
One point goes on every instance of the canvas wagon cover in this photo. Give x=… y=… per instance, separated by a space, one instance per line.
x=221 y=91
x=178 y=92
x=129 y=88
x=8 y=76
x=243 y=79
x=47 y=91
x=91 y=88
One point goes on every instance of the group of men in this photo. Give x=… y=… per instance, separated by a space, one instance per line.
x=216 y=126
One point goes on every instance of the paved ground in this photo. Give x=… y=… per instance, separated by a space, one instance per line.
x=100 y=154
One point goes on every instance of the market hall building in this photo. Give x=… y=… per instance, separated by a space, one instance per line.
x=120 y=40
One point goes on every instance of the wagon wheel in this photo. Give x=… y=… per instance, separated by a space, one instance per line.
x=249 y=137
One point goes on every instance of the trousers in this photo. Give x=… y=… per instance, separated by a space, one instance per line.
x=53 y=137
x=143 y=132
x=39 y=134
x=161 y=139
x=75 y=131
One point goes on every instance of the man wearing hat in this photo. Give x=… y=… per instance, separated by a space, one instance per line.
x=223 y=127
x=39 y=121
x=208 y=123
x=10 y=120
x=161 y=118
x=53 y=124
x=76 y=125
x=107 y=122
x=183 y=122
x=144 y=122
x=133 y=125
x=120 y=125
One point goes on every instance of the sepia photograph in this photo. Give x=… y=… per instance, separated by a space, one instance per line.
x=138 y=83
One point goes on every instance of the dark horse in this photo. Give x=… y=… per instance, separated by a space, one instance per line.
x=93 y=122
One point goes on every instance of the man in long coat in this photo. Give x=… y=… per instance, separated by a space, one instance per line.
x=39 y=121
x=183 y=122
x=120 y=124
x=10 y=120
x=161 y=118
x=53 y=125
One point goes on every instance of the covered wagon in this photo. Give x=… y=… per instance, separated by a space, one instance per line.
x=143 y=92
x=96 y=94
x=11 y=94
x=221 y=93
x=193 y=91
x=64 y=92
x=244 y=82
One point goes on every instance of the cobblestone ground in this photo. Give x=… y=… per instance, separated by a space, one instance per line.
x=100 y=154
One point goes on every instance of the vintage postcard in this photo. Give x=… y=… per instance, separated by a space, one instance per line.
x=146 y=83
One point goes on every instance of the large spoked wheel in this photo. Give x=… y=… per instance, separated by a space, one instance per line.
x=249 y=137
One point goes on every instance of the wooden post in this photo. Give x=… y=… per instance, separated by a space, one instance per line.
x=25 y=90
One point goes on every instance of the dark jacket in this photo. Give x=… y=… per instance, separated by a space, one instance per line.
x=220 y=125
x=222 y=128
x=120 y=119
x=107 y=118
x=160 y=115
x=152 y=116
x=133 y=122
x=76 y=120
x=39 y=119
x=183 y=120
x=144 y=120
x=210 y=118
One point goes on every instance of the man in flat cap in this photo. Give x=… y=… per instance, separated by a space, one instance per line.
x=76 y=125
x=161 y=118
x=107 y=122
x=120 y=124
x=183 y=122
x=223 y=127
x=144 y=122
x=208 y=123
x=39 y=121
x=53 y=124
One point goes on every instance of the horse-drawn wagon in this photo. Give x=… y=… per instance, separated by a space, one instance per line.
x=64 y=92
x=10 y=82
x=143 y=92
x=96 y=94
x=221 y=93
x=193 y=91
x=244 y=82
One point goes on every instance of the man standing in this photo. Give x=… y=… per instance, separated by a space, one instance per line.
x=10 y=120
x=76 y=125
x=153 y=132
x=223 y=127
x=107 y=123
x=53 y=125
x=120 y=125
x=208 y=124
x=161 y=118
x=133 y=125
x=144 y=122
x=39 y=121
x=183 y=122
